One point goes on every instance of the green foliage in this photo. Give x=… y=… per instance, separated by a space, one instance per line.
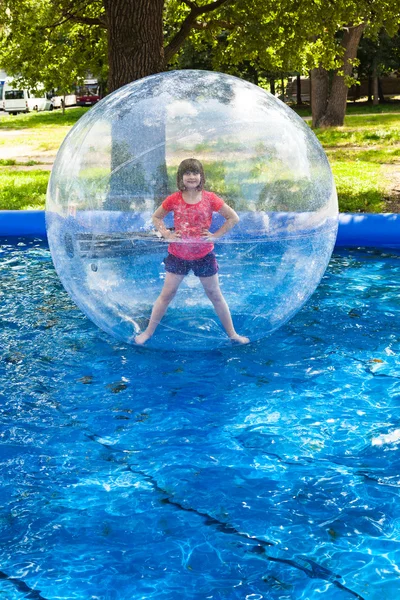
x=57 y=43
x=286 y=195
x=265 y=40
x=358 y=152
x=4 y=162
x=11 y=162
x=378 y=55
x=39 y=42
x=278 y=37
x=133 y=175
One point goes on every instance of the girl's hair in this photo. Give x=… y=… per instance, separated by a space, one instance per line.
x=190 y=164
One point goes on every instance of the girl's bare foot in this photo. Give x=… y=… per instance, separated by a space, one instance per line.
x=239 y=339
x=142 y=338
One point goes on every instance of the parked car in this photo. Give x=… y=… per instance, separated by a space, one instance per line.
x=16 y=100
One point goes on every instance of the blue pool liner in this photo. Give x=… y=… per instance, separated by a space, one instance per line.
x=371 y=230
x=23 y=223
x=355 y=230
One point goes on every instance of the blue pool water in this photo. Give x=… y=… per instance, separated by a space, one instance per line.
x=269 y=471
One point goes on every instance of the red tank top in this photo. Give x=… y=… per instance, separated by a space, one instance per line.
x=190 y=220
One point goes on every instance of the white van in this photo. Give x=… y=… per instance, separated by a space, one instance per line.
x=67 y=100
x=22 y=100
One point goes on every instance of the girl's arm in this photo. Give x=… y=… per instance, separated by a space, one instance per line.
x=158 y=221
x=231 y=218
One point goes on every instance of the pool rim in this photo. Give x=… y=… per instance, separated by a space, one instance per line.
x=379 y=230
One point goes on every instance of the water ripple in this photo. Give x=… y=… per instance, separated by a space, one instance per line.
x=269 y=471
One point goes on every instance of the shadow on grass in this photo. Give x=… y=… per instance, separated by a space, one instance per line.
x=354 y=108
x=368 y=201
x=22 y=190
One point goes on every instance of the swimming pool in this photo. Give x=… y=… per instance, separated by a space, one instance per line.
x=269 y=471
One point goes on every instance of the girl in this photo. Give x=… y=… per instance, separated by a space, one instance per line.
x=191 y=245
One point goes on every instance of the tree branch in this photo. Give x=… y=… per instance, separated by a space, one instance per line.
x=70 y=13
x=201 y=10
x=202 y=25
x=86 y=20
x=188 y=24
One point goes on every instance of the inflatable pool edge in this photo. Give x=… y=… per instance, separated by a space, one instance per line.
x=355 y=229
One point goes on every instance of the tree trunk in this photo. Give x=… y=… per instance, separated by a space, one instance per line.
x=135 y=40
x=135 y=50
x=380 y=92
x=375 y=100
x=272 y=86
x=336 y=106
x=253 y=74
x=356 y=92
x=375 y=90
x=299 y=100
x=370 y=89
x=319 y=80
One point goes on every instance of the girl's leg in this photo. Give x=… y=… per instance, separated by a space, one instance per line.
x=213 y=291
x=171 y=284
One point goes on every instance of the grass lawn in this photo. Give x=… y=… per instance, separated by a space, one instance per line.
x=363 y=154
x=31 y=140
x=38 y=132
x=23 y=189
x=36 y=120
x=358 y=108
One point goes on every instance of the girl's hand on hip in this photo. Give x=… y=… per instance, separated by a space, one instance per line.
x=207 y=236
x=173 y=236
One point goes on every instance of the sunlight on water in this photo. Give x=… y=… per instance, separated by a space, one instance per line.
x=266 y=472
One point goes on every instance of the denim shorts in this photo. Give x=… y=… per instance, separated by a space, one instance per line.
x=202 y=267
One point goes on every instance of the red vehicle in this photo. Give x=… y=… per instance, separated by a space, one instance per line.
x=88 y=93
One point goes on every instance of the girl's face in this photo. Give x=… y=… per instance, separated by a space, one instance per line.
x=191 y=180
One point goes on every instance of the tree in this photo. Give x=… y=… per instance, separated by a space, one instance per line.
x=329 y=88
x=255 y=39
x=39 y=46
x=306 y=35
x=378 y=56
x=129 y=32
x=145 y=36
